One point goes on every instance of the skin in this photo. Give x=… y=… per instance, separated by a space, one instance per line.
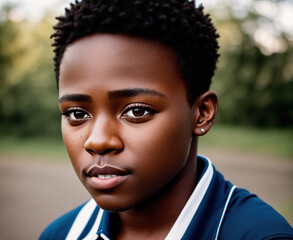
x=125 y=105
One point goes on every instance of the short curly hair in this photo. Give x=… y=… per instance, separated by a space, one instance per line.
x=178 y=24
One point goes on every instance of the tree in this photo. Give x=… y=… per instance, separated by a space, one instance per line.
x=28 y=99
x=255 y=77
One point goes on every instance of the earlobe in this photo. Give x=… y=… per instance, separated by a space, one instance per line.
x=205 y=114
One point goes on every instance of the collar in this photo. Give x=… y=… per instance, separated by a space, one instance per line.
x=201 y=216
x=187 y=213
x=190 y=208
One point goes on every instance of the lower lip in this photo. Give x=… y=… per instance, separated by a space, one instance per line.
x=106 y=184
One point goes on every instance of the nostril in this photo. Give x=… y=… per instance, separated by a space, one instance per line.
x=91 y=151
x=105 y=151
x=109 y=150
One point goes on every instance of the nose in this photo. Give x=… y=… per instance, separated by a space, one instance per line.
x=104 y=138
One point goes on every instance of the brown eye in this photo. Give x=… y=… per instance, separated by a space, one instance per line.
x=78 y=115
x=138 y=112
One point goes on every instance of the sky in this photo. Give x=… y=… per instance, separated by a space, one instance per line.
x=34 y=9
x=281 y=12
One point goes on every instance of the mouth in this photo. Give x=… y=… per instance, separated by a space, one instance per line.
x=105 y=178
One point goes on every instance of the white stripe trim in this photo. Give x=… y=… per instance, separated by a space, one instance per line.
x=189 y=210
x=81 y=220
x=93 y=232
x=224 y=211
x=102 y=235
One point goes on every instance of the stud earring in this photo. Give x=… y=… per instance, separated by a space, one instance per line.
x=202 y=130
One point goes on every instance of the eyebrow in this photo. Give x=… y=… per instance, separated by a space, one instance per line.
x=132 y=92
x=75 y=98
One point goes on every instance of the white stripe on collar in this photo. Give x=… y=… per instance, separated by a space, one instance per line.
x=81 y=220
x=179 y=227
x=224 y=211
x=92 y=235
x=187 y=213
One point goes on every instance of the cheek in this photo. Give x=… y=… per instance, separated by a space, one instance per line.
x=162 y=144
x=158 y=152
x=162 y=135
x=73 y=141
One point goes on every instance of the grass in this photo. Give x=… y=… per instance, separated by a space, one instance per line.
x=276 y=142
x=43 y=148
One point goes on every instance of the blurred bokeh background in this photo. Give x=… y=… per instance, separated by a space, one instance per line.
x=254 y=81
x=254 y=76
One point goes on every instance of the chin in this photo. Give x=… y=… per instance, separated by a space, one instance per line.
x=111 y=204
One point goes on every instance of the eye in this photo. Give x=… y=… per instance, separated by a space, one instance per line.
x=76 y=116
x=138 y=113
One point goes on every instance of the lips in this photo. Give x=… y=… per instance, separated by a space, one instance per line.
x=95 y=171
x=105 y=178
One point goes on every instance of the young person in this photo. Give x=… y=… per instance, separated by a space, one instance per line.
x=133 y=80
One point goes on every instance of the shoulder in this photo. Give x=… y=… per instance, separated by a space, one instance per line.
x=59 y=228
x=248 y=217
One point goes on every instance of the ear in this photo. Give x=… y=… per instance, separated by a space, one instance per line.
x=205 y=114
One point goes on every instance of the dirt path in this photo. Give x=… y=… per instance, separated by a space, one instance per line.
x=33 y=193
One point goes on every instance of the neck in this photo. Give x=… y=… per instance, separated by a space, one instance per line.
x=155 y=218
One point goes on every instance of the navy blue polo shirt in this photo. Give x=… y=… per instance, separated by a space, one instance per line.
x=216 y=210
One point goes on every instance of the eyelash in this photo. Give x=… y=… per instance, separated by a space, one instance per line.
x=147 y=114
x=70 y=118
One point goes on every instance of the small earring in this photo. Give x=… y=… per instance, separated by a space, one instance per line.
x=202 y=130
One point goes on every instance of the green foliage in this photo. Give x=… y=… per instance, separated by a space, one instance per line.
x=254 y=80
x=255 y=85
x=28 y=97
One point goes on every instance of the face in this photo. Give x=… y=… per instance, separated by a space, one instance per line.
x=126 y=122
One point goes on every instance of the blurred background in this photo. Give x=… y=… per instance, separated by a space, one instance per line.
x=251 y=143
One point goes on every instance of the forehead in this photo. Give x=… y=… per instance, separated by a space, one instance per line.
x=97 y=60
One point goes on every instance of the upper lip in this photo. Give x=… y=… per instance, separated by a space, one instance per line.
x=94 y=171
